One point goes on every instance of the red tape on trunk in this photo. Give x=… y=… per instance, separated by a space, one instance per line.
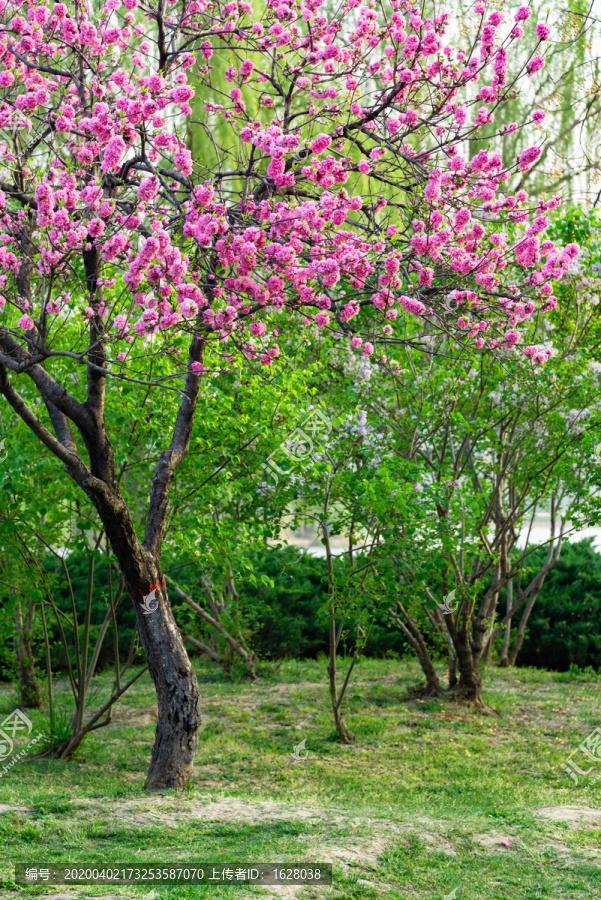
x=153 y=587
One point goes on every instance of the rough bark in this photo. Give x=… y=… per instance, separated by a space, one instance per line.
x=178 y=695
x=469 y=687
x=172 y=673
x=452 y=670
x=29 y=690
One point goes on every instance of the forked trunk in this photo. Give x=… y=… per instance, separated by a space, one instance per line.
x=346 y=736
x=139 y=562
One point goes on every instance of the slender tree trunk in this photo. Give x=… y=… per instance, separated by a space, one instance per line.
x=470 y=680
x=452 y=670
x=336 y=697
x=414 y=637
x=504 y=661
x=516 y=646
x=346 y=736
x=30 y=694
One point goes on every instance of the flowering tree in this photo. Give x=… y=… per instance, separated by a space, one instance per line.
x=354 y=208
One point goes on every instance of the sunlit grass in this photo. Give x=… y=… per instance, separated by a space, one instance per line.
x=433 y=797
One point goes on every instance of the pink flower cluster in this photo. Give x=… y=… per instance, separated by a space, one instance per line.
x=293 y=218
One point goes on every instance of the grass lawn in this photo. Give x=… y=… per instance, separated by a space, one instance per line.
x=432 y=800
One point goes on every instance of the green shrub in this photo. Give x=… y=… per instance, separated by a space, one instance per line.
x=564 y=630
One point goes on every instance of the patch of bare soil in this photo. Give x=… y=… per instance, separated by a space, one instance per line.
x=494 y=840
x=162 y=811
x=584 y=815
x=14 y=807
x=136 y=715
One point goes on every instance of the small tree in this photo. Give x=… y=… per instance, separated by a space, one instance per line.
x=497 y=450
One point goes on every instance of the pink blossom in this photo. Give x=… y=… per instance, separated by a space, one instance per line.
x=183 y=161
x=148 y=189
x=321 y=143
x=462 y=217
x=182 y=94
x=120 y=323
x=41 y=15
x=511 y=337
x=433 y=189
x=26 y=323
x=96 y=227
x=523 y=13
x=113 y=154
x=246 y=69
x=528 y=158
x=535 y=65
x=410 y=304
x=283 y=244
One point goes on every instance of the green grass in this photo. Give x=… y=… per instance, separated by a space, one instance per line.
x=418 y=807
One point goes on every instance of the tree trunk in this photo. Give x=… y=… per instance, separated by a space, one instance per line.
x=174 y=678
x=433 y=685
x=452 y=670
x=172 y=673
x=516 y=646
x=30 y=695
x=504 y=661
x=346 y=736
x=414 y=637
x=470 y=680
